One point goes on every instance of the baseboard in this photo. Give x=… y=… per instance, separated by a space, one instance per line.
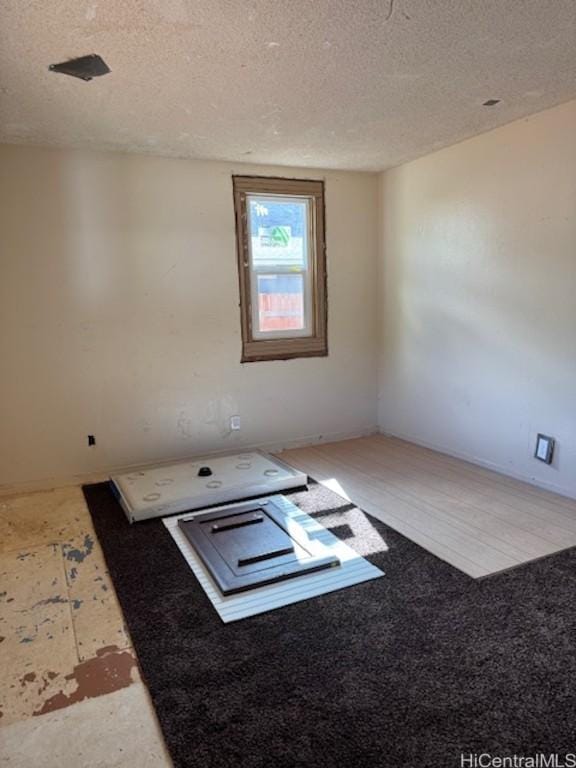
x=542 y=484
x=63 y=481
x=326 y=437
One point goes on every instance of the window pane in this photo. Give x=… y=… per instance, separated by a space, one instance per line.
x=278 y=233
x=280 y=302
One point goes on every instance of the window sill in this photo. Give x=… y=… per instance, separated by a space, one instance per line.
x=283 y=349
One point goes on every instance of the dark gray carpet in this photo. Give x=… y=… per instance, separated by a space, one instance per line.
x=409 y=670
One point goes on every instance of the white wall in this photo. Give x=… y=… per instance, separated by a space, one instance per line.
x=478 y=298
x=119 y=309
x=119 y=316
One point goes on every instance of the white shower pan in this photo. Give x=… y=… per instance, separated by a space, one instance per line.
x=186 y=485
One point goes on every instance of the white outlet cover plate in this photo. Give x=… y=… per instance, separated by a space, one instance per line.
x=544 y=448
x=170 y=489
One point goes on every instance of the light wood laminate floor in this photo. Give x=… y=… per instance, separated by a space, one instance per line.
x=477 y=520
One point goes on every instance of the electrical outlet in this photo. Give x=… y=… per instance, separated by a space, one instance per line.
x=234 y=423
x=544 y=448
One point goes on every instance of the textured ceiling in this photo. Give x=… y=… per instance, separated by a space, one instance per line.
x=359 y=84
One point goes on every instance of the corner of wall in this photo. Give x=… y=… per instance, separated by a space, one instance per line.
x=380 y=307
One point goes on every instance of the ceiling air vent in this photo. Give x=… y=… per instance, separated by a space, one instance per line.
x=85 y=67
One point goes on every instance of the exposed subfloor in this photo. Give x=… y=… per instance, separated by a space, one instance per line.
x=69 y=683
x=118 y=730
x=63 y=643
x=477 y=520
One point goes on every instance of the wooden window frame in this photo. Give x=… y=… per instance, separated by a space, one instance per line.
x=315 y=345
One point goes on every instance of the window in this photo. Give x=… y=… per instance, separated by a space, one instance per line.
x=282 y=267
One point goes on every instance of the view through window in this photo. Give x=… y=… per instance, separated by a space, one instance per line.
x=280 y=233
